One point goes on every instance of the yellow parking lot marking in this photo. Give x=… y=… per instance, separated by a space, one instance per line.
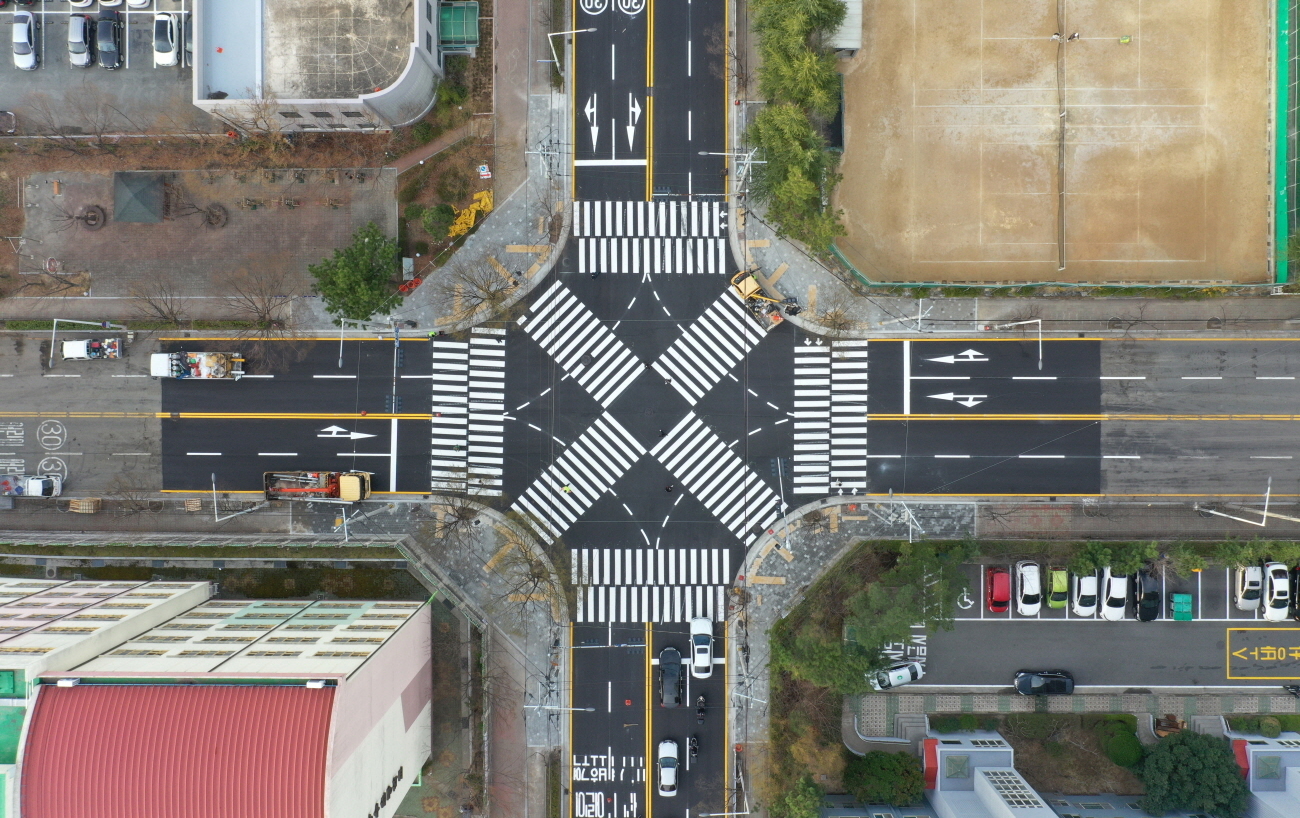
x=1263 y=653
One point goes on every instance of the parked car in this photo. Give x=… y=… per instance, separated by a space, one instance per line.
x=1044 y=682
x=701 y=647
x=110 y=2
x=1277 y=591
x=24 y=37
x=81 y=41
x=166 y=46
x=1249 y=588
x=997 y=589
x=668 y=768
x=137 y=4
x=189 y=39
x=1146 y=589
x=108 y=38
x=81 y=4
x=896 y=675
x=1083 y=589
x=1058 y=587
x=1029 y=588
x=670 y=678
x=1114 y=595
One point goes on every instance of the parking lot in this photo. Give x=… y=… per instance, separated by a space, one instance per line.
x=1211 y=592
x=59 y=96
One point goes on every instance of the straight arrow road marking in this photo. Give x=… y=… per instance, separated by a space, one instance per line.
x=339 y=431
x=969 y=356
x=968 y=401
x=633 y=117
x=590 y=111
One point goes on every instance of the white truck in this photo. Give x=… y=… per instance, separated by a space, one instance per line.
x=30 y=485
x=93 y=349
x=212 y=366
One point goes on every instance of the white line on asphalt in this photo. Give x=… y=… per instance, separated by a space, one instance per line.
x=1202 y=377
x=756 y=431
x=363 y=454
x=1033 y=377
x=609 y=162
x=1042 y=456
x=1270 y=457
x=129 y=376
x=259 y=376
x=204 y=454
x=1121 y=457
x=277 y=454
x=417 y=376
x=941 y=377
x=782 y=420
x=130 y=454
x=885 y=455
x=8 y=375
x=1123 y=377
x=953 y=456
x=531 y=426
x=907 y=377
x=392 y=462
x=334 y=377
x=1275 y=377
x=62 y=376
x=521 y=406
x=773 y=405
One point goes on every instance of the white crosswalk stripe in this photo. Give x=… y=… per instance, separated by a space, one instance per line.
x=718 y=478
x=658 y=219
x=576 y=340
x=468 y=413
x=650 y=603
x=645 y=256
x=577 y=478
x=708 y=349
x=830 y=417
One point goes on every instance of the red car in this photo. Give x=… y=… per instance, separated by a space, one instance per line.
x=997 y=589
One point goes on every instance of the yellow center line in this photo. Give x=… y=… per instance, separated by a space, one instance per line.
x=224 y=415
x=650 y=761
x=1084 y=417
x=650 y=103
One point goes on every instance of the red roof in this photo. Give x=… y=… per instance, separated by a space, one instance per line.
x=202 y=751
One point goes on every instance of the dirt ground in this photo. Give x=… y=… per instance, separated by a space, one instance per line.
x=951 y=141
x=1071 y=763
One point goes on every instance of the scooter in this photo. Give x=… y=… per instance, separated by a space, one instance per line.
x=699 y=710
x=1294 y=690
x=694 y=745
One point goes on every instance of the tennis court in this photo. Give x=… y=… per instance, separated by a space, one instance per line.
x=967 y=125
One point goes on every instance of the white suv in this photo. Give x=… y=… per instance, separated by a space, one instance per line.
x=25 y=56
x=1249 y=588
x=701 y=647
x=1083 y=594
x=667 y=768
x=1277 y=592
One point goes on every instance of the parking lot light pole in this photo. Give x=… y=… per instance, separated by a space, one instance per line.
x=1037 y=321
x=555 y=57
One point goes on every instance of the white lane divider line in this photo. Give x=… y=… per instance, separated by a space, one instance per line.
x=1202 y=377
x=1123 y=377
x=277 y=454
x=1121 y=457
x=334 y=377
x=204 y=454
x=1275 y=377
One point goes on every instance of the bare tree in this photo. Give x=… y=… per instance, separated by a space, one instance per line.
x=529 y=578
x=732 y=59
x=469 y=288
x=453 y=525
x=158 y=299
x=262 y=300
x=78 y=120
x=835 y=313
x=132 y=494
x=257 y=114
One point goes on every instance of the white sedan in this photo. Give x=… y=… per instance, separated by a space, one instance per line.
x=668 y=767
x=1277 y=592
x=1083 y=594
x=1029 y=588
x=701 y=647
x=1114 y=589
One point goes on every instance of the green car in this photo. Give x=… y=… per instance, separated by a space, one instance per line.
x=1058 y=587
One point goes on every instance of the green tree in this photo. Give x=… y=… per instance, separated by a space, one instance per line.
x=885 y=778
x=804 y=800
x=1237 y=554
x=1129 y=558
x=1193 y=772
x=1091 y=557
x=357 y=281
x=822 y=659
x=437 y=219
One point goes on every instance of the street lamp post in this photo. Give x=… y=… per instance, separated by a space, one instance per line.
x=555 y=57
x=1037 y=321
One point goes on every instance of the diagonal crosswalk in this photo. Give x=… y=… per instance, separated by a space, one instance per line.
x=830 y=417
x=652 y=256
x=718 y=478
x=584 y=471
x=709 y=348
x=662 y=219
x=650 y=585
x=469 y=413
x=576 y=340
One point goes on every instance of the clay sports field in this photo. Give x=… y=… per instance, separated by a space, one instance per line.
x=953 y=163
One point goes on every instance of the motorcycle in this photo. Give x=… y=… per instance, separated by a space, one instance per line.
x=699 y=710
x=694 y=745
x=1294 y=690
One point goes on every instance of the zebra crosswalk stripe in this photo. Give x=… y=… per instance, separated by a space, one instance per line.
x=830 y=411
x=576 y=340
x=486 y=439
x=643 y=566
x=450 y=426
x=705 y=219
x=709 y=348
x=654 y=256
x=717 y=477
x=587 y=468
x=615 y=604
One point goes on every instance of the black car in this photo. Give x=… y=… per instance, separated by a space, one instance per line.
x=1147 y=590
x=108 y=37
x=1044 y=682
x=670 y=678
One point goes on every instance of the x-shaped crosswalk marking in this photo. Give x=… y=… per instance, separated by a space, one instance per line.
x=700 y=357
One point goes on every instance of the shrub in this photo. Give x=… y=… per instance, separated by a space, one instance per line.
x=1244 y=724
x=968 y=722
x=885 y=778
x=945 y=724
x=802 y=801
x=1124 y=749
x=990 y=723
x=453 y=185
x=1290 y=723
x=423 y=133
x=1194 y=772
x=1269 y=727
x=437 y=219
x=413 y=212
x=1055 y=749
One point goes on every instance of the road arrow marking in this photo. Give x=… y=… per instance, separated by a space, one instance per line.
x=968 y=401
x=339 y=431
x=969 y=356
x=633 y=117
x=590 y=111
x=1240 y=653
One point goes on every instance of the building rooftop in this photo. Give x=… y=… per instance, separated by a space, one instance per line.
x=335 y=49
x=158 y=751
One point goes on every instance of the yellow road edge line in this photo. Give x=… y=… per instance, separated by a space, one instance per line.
x=727 y=778
x=1109 y=416
x=650 y=106
x=415 y=337
x=650 y=761
x=570 y=63
x=568 y=762
x=284 y=416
